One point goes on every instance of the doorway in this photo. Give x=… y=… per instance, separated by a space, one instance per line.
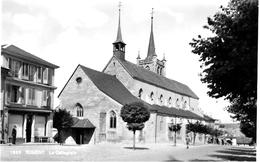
x=80 y=136
x=29 y=128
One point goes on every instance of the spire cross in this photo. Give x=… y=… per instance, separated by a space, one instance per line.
x=152 y=13
x=119 y=5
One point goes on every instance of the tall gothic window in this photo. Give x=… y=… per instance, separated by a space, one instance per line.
x=112 y=120
x=161 y=99
x=158 y=70
x=170 y=101
x=140 y=93
x=151 y=96
x=185 y=105
x=79 y=110
x=177 y=103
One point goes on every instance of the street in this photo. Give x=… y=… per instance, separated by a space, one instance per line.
x=124 y=152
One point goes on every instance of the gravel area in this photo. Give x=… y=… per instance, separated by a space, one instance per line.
x=124 y=152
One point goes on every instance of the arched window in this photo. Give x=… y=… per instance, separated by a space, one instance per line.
x=177 y=103
x=151 y=96
x=147 y=67
x=158 y=70
x=140 y=93
x=185 y=105
x=161 y=99
x=170 y=101
x=79 y=110
x=112 y=119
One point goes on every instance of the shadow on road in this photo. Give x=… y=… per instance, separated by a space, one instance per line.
x=137 y=148
x=172 y=159
x=236 y=154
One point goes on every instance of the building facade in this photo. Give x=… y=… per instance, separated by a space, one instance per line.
x=27 y=92
x=101 y=96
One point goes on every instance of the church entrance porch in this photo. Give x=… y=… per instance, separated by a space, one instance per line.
x=83 y=135
x=81 y=132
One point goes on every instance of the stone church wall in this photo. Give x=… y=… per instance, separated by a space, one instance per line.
x=97 y=107
x=115 y=68
x=94 y=102
x=133 y=85
x=157 y=91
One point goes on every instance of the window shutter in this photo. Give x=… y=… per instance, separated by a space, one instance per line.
x=45 y=76
x=27 y=95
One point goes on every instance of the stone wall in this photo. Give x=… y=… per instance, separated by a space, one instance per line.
x=133 y=85
x=115 y=68
x=97 y=107
x=94 y=103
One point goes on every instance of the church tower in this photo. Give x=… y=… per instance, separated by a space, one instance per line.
x=119 y=45
x=151 y=62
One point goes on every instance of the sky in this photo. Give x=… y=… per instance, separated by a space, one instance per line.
x=72 y=32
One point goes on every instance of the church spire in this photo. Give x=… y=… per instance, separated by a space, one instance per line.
x=119 y=34
x=119 y=45
x=151 y=46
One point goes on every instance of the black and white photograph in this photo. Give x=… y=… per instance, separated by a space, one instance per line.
x=129 y=80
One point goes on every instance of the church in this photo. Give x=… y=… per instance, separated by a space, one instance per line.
x=95 y=98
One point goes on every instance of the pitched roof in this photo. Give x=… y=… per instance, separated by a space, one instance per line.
x=17 y=52
x=177 y=112
x=82 y=123
x=110 y=85
x=208 y=118
x=147 y=76
x=113 y=88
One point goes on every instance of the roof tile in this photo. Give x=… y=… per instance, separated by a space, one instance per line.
x=17 y=52
x=157 y=80
x=112 y=87
x=82 y=123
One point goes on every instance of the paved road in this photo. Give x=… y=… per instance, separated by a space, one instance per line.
x=123 y=152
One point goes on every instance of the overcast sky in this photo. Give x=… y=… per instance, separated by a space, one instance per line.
x=72 y=32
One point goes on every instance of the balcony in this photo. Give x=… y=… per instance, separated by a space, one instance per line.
x=24 y=107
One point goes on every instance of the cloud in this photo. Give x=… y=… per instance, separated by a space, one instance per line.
x=70 y=12
x=28 y=23
x=69 y=32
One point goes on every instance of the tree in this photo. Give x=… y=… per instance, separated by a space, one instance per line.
x=216 y=133
x=174 y=128
x=205 y=129
x=229 y=59
x=135 y=114
x=195 y=128
x=62 y=120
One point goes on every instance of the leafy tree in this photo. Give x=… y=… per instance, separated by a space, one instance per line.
x=135 y=114
x=248 y=129
x=215 y=133
x=174 y=128
x=62 y=120
x=195 y=128
x=205 y=129
x=229 y=59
